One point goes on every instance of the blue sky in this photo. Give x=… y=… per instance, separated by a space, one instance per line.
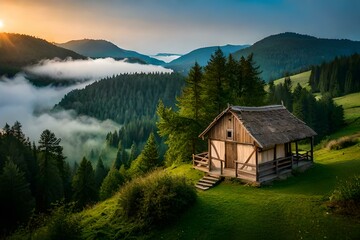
x=179 y=26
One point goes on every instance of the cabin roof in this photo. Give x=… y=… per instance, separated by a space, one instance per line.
x=268 y=125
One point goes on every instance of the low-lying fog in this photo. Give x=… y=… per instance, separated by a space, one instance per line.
x=30 y=105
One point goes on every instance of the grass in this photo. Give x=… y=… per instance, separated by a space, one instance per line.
x=302 y=78
x=291 y=209
x=295 y=208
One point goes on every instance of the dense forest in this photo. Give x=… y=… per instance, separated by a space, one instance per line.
x=35 y=180
x=124 y=98
x=338 y=77
x=128 y=99
x=303 y=104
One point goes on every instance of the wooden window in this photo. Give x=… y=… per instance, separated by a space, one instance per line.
x=229 y=134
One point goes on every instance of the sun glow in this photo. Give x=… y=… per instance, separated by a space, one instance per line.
x=1 y=24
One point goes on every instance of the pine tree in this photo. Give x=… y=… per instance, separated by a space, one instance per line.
x=111 y=183
x=52 y=175
x=190 y=102
x=84 y=185
x=16 y=201
x=100 y=172
x=148 y=158
x=214 y=85
x=253 y=93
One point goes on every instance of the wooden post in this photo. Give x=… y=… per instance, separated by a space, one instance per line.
x=274 y=151
x=236 y=167
x=297 y=155
x=257 y=164
x=209 y=153
x=312 y=149
x=221 y=167
x=276 y=166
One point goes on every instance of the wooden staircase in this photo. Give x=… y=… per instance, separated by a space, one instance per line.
x=207 y=182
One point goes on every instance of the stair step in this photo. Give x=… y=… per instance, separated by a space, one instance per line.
x=205 y=184
x=201 y=187
x=211 y=178
x=208 y=181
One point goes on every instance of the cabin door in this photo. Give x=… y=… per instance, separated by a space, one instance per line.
x=230 y=154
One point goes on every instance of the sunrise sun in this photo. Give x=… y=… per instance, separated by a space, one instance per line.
x=1 y=24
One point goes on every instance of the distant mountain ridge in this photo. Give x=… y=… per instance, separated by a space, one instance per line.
x=18 y=51
x=293 y=52
x=102 y=48
x=200 y=55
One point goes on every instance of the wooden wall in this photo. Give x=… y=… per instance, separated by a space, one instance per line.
x=217 y=151
x=243 y=153
x=228 y=121
x=268 y=155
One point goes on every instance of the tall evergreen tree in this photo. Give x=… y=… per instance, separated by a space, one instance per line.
x=16 y=201
x=100 y=172
x=253 y=93
x=84 y=185
x=148 y=159
x=52 y=175
x=214 y=85
x=190 y=102
x=111 y=183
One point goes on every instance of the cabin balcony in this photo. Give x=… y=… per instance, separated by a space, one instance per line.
x=266 y=171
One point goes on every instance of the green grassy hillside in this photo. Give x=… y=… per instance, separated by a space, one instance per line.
x=295 y=208
x=302 y=78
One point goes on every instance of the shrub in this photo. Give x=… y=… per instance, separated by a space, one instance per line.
x=62 y=224
x=341 y=143
x=155 y=199
x=346 y=195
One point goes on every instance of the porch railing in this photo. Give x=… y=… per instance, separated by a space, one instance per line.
x=201 y=159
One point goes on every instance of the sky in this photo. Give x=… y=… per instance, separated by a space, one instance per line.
x=179 y=26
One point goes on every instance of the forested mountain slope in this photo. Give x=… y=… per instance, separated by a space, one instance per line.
x=125 y=98
x=17 y=51
x=338 y=77
x=201 y=56
x=101 y=49
x=292 y=52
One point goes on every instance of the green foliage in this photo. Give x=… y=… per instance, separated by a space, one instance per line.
x=156 y=199
x=84 y=185
x=100 y=172
x=111 y=183
x=347 y=190
x=292 y=52
x=346 y=196
x=148 y=159
x=58 y=225
x=16 y=201
x=342 y=142
x=338 y=77
x=304 y=105
x=124 y=98
x=205 y=95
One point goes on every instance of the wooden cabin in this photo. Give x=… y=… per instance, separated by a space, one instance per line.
x=256 y=144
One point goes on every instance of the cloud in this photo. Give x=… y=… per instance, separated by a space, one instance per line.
x=166 y=58
x=21 y=101
x=90 y=68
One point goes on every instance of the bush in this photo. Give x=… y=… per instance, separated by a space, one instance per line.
x=346 y=195
x=341 y=143
x=61 y=224
x=155 y=199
